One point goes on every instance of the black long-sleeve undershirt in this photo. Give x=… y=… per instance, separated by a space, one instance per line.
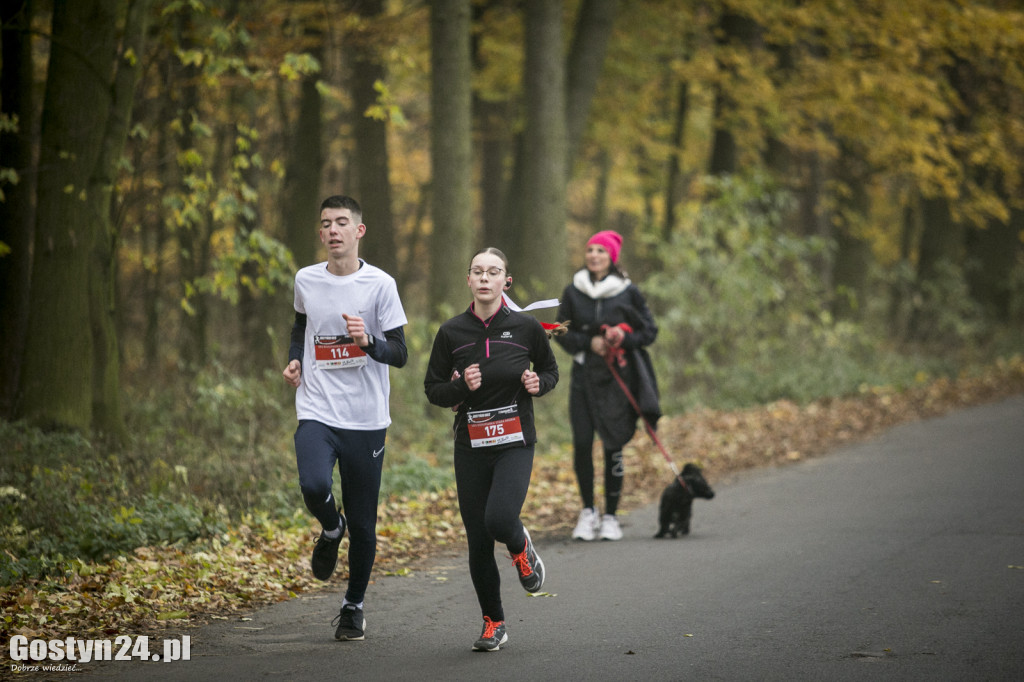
x=390 y=350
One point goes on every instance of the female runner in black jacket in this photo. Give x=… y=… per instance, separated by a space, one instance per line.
x=480 y=366
x=608 y=319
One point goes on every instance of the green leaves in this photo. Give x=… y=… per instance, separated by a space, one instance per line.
x=387 y=107
x=295 y=66
x=253 y=261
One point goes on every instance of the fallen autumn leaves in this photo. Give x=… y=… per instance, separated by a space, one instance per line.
x=159 y=588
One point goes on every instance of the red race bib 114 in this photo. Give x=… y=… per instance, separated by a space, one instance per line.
x=338 y=352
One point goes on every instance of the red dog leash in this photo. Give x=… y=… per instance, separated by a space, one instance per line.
x=613 y=357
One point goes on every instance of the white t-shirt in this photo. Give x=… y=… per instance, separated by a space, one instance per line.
x=345 y=397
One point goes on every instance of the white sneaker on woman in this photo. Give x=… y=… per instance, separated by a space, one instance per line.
x=610 y=529
x=587 y=525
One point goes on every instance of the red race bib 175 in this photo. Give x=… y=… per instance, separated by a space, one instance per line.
x=495 y=427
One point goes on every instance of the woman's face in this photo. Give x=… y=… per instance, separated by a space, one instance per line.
x=486 y=278
x=598 y=260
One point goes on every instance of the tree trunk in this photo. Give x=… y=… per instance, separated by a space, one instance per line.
x=733 y=30
x=812 y=218
x=451 y=153
x=513 y=210
x=723 y=149
x=942 y=239
x=848 y=285
x=107 y=417
x=900 y=292
x=539 y=252
x=672 y=181
x=604 y=165
x=58 y=372
x=255 y=312
x=154 y=229
x=942 y=243
x=992 y=255
x=494 y=121
x=372 y=185
x=16 y=208
x=300 y=200
x=594 y=25
x=496 y=142
x=193 y=242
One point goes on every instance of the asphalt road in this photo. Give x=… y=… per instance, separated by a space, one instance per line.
x=901 y=558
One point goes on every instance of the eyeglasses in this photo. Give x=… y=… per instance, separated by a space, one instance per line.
x=493 y=273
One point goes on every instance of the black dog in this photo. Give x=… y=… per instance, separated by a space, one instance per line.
x=676 y=502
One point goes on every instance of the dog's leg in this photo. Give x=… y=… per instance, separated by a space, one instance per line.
x=684 y=521
x=664 y=513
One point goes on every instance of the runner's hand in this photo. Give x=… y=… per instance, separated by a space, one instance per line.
x=293 y=373
x=357 y=330
x=472 y=377
x=532 y=382
x=455 y=376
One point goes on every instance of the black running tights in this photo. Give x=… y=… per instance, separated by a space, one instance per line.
x=492 y=486
x=360 y=458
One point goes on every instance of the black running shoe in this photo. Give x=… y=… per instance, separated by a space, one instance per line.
x=351 y=624
x=492 y=637
x=529 y=566
x=325 y=554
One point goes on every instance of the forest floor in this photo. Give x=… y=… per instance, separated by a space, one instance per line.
x=261 y=561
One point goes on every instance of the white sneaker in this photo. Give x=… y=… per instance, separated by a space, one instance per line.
x=610 y=529
x=587 y=525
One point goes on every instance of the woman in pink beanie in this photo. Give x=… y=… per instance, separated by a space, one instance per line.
x=609 y=322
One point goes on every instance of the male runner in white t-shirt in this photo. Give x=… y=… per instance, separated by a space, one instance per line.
x=348 y=329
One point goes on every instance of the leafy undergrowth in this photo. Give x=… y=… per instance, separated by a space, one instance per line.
x=162 y=588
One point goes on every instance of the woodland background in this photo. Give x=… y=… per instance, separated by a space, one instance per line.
x=820 y=199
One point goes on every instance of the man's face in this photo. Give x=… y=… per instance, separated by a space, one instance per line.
x=340 y=231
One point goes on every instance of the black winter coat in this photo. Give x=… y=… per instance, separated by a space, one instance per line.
x=614 y=301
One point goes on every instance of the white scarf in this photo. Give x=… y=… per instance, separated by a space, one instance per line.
x=612 y=285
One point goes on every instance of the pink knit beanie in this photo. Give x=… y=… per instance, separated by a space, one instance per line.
x=610 y=240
